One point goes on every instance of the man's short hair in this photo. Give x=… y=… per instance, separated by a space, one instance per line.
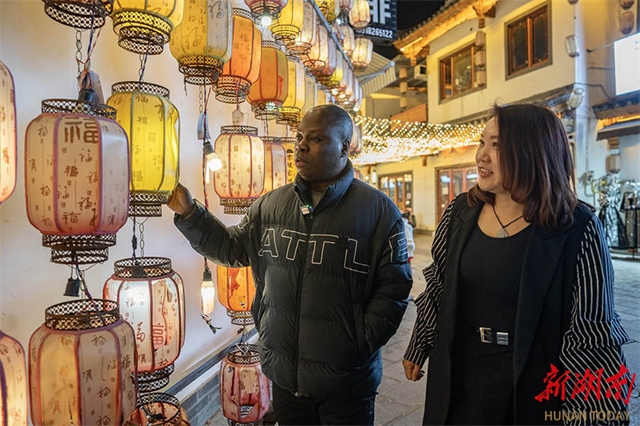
x=338 y=117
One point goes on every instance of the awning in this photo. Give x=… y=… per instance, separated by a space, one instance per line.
x=623 y=128
x=379 y=74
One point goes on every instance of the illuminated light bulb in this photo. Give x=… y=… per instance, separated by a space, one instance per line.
x=208 y=292
x=266 y=21
x=213 y=161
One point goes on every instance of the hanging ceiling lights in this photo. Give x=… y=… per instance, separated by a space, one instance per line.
x=348 y=39
x=360 y=14
x=307 y=36
x=292 y=106
x=270 y=90
x=8 y=142
x=266 y=11
x=362 y=53
x=288 y=26
x=318 y=55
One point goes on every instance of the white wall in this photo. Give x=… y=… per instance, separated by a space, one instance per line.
x=40 y=54
x=630 y=156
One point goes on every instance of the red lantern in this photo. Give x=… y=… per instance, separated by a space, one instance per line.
x=13 y=382
x=270 y=91
x=158 y=409
x=236 y=290
x=275 y=164
x=244 y=389
x=8 y=145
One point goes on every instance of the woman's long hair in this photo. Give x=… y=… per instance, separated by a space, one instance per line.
x=536 y=165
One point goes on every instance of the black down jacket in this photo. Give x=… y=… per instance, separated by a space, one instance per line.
x=331 y=282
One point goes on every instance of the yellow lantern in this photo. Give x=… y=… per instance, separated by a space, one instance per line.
x=324 y=75
x=292 y=106
x=318 y=55
x=348 y=39
x=360 y=14
x=345 y=88
x=288 y=26
x=330 y=9
x=270 y=91
x=361 y=56
x=202 y=42
x=145 y=26
x=266 y=10
x=13 y=382
x=240 y=181
x=333 y=81
x=275 y=164
x=321 y=95
x=79 y=14
x=289 y=144
x=310 y=94
x=307 y=36
x=8 y=144
x=236 y=290
x=152 y=123
x=80 y=365
x=243 y=69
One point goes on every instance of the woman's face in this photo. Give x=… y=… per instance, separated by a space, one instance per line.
x=489 y=175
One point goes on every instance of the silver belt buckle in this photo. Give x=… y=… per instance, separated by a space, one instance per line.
x=486 y=335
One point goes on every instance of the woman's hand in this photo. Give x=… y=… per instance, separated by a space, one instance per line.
x=180 y=201
x=412 y=371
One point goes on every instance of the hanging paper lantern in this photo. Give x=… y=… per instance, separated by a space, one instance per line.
x=310 y=94
x=333 y=80
x=360 y=14
x=76 y=173
x=321 y=95
x=324 y=75
x=290 y=113
x=240 y=181
x=8 y=146
x=288 y=26
x=348 y=39
x=152 y=123
x=345 y=87
x=79 y=14
x=270 y=90
x=13 y=382
x=244 y=389
x=80 y=365
x=202 y=42
x=330 y=9
x=345 y=6
x=356 y=140
x=318 y=55
x=266 y=10
x=236 y=290
x=150 y=296
x=275 y=164
x=307 y=36
x=289 y=144
x=145 y=26
x=243 y=69
x=156 y=409
x=361 y=56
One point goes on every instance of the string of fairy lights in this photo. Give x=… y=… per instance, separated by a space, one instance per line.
x=387 y=140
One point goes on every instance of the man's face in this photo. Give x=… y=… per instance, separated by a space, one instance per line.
x=321 y=151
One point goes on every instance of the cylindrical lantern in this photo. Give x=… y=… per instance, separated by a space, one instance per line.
x=275 y=163
x=243 y=69
x=330 y=9
x=79 y=14
x=348 y=39
x=481 y=77
x=80 y=365
x=333 y=80
x=13 y=382
x=403 y=102
x=481 y=39
x=289 y=144
x=244 y=389
x=158 y=409
x=270 y=90
x=151 y=298
x=152 y=123
x=318 y=55
x=202 y=42
x=290 y=113
x=361 y=56
x=356 y=140
x=345 y=6
x=240 y=181
x=289 y=24
x=321 y=95
x=145 y=26
x=310 y=94
x=266 y=10
x=76 y=178
x=360 y=14
x=8 y=144
x=307 y=36
x=236 y=290
x=480 y=58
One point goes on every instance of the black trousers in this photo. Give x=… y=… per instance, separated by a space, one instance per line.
x=293 y=411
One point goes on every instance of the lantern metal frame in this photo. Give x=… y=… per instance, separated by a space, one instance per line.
x=140 y=32
x=79 y=14
x=82 y=314
x=200 y=69
x=164 y=399
x=72 y=106
x=286 y=33
x=264 y=8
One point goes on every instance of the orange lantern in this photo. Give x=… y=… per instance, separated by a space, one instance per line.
x=292 y=106
x=361 y=56
x=77 y=190
x=289 y=144
x=270 y=90
x=360 y=14
x=236 y=290
x=13 y=382
x=307 y=36
x=151 y=298
x=244 y=389
x=310 y=94
x=145 y=26
x=80 y=365
x=318 y=55
x=240 y=181
x=156 y=409
x=202 y=42
x=266 y=10
x=8 y=144
x=79 y=14
x=243 y=69
x=288 y=26
x=348 y=39
x=275 y=163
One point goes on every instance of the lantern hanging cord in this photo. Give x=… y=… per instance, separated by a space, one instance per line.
x=85 y=290
x=143 y=64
